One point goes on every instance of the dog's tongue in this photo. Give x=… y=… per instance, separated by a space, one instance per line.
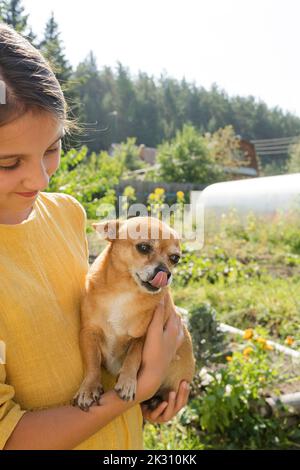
x=160 y=280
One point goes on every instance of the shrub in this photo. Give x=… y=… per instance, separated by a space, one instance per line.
x=227 y=412
x=87 y=178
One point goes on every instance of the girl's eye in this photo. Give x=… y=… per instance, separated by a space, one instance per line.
x=15 y=165
x=144 y=248
x=12 y=167
x=51 y=150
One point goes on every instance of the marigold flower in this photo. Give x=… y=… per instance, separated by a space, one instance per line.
x=268 y=347
x=289 y=340
x=180 y=194
x=159 y=191
x=228 y=358
x=248 y=334
x=262 y=341
x=248 y=351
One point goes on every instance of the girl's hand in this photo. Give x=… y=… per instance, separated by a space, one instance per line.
x=167 y=410
x=159 y=349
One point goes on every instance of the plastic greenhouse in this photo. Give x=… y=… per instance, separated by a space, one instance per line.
x=262 y=196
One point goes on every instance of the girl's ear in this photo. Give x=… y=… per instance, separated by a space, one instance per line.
x=109 y=229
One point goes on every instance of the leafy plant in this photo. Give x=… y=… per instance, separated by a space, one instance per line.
x=227 y=412
x=186 y=158
x=156 y=201
x=89 y=178
x=219 y=268
x=208 y=340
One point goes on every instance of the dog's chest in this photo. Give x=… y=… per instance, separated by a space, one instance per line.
x=117 y=329
x=122 y=326
x=118 y=314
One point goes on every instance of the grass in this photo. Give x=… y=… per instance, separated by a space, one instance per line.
x=170 y=436
x=268 y=302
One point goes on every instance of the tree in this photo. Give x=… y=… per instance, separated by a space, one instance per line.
x=168 y=97
x=147 y=125
x=52 y=49
x=94 y=103
x=224 y=148
x=12 y=13
x=128 y=153
x=125 y=103
x=186 y=159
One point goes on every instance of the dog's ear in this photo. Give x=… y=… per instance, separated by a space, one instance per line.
x=108 y=229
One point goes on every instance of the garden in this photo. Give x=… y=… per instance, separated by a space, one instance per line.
x=247 y=275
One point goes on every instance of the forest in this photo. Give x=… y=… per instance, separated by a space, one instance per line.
x=111 y=104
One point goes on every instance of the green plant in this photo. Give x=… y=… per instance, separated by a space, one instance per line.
x=228 y=410
x=186 y=158
x=128 y=154
x=224 y=148
x=208 y=340
x=173 y=435
x=89 y=178
x=156 y=201
x=217 y=268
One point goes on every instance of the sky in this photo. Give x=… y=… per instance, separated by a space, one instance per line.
x=246 y=47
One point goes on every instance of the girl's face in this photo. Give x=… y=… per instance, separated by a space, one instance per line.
x=30 y=149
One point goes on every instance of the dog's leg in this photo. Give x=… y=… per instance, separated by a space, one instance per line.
x=127 y=380
x=91 y=389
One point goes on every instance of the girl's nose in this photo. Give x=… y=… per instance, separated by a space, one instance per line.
x=37 y=178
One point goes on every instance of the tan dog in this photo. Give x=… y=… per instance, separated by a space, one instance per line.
x=124 y=286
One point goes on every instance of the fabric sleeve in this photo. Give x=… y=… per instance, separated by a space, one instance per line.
x=10 y=412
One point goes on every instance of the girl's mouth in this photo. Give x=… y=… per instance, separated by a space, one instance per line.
x=32 y=194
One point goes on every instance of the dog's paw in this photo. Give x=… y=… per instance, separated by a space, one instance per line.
x=126 y=387
x=87 y=395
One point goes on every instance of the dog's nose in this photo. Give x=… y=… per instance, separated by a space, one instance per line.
x=162 y=267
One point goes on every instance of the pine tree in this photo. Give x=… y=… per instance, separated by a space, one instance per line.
x=52 y=49
x=92 y=100
x=12 y=13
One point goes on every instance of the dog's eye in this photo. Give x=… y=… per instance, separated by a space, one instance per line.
x=174 y=258
x=143 y=248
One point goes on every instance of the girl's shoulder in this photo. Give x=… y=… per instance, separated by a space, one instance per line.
x=60 y=201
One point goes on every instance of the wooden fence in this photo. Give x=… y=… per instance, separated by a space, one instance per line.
x=144 y=188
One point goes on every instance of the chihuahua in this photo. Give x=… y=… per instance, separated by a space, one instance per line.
x=123 y=287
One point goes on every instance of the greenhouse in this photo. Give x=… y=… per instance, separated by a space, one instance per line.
x=262 y=196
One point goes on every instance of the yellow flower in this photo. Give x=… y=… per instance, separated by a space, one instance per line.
x=247 y=351
x=289 y=340
x=159 y=191
x=264 y=344
x=180 y=194
x=248 y=334
x=228 y=358
x=262 y=341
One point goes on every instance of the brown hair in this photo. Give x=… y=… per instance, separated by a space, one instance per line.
x=29 y=82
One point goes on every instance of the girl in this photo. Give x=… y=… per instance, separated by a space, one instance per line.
x=43 y=263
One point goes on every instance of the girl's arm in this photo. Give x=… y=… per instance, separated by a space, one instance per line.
x=66 y=427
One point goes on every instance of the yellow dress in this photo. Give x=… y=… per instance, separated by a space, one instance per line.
x=43 y=263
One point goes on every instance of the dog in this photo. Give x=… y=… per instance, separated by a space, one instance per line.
x=123 y=288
